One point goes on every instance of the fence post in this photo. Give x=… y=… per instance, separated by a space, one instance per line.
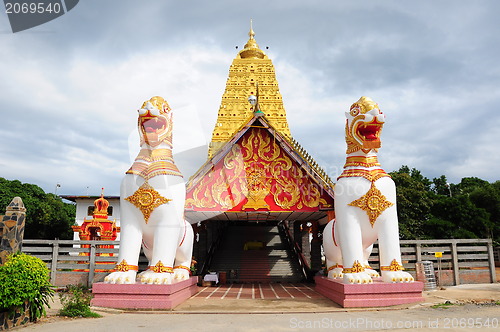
x=92 y=264
x=53 y=264
x=491 y=260
x=418 y=251
x=454 y=258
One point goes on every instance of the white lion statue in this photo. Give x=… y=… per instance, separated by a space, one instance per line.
x=365 y=206
x=152 y=196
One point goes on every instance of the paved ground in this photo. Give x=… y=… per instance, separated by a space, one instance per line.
x=259 y=291
x=472 y=307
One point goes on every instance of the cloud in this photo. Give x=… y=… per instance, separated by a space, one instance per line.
x=70 y=89
x=80 y=120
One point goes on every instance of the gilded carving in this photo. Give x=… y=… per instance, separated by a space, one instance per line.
x=394 y=267
x=356 y=268
x=251 y=66
x=124 y=267
x=161 y=268
x=146 y=199
x=256 y=169
x=373 y=203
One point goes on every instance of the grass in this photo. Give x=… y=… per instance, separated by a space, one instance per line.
x=444 y=305
x=76 y=302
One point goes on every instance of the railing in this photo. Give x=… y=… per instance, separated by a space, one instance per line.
x=86 y=262
x=211 y=251
x=462 y=261
x=294 y=247
x=76 y=262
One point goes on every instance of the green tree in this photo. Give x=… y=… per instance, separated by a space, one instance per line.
x=47 y=216
x=440 y=210
x=466 y=220
x=441 y=186
x=413 y=202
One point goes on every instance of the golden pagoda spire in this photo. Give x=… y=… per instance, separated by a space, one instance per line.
x=251 y=34
x=251 y=73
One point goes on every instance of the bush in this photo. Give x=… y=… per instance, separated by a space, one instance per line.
x=24 y=279
x=76 y=302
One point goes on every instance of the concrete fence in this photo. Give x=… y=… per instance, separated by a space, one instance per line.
x=85 y=262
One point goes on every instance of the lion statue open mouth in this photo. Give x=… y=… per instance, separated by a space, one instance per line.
x=365 y=205
x=152 y=196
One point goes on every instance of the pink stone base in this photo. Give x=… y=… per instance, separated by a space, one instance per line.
x=378 y=294
x=139 y=296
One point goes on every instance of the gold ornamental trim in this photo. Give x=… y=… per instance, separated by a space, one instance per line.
x=394 y=267
x=155 y=155
x=124 y=267
x=356 y=268
x=258 y=169
x=373 y=203
x=147 y=199
x=150 y=170
x=334 y=267
x=363 y=161
x=370 y=175
x=182 y=267
x=160 y=268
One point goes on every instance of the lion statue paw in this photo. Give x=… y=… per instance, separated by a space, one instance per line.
x=181 y=274
x=357 y=278
x=396 y=276
x=335 y=273
x=154 y=278
x=372 y=273
x=127 y=277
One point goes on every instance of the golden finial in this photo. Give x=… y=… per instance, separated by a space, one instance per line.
x=251 y=49
x=251 y=34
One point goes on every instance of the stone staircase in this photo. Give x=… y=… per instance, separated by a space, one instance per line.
x=271 y=263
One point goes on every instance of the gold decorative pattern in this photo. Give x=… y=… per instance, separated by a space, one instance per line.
x=182 y=267
x=124 y=267
x=256 y=189
x=356 y=268
x=160 y=268
x=258 y=169
x=334 y=267
x=373 y=203
x=394 y=267
x=155 y=155
x=250 y=67
x=149 y=170
x=363 y=161
x=358 y=111
x=312 y=163
x=371 y=175
x=146 y=199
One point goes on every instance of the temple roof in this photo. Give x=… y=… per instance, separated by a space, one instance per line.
x=260 y=174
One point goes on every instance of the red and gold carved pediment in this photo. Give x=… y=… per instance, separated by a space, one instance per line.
x=257 y=174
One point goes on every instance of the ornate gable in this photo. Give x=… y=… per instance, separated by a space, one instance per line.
x=258 y=170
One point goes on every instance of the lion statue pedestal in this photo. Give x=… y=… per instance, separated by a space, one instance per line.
x=365 y=209
x=152 y=197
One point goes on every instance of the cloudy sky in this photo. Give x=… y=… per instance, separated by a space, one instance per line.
x=69 y=89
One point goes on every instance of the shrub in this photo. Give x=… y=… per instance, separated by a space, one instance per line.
x=24 y=279
x=76 y=302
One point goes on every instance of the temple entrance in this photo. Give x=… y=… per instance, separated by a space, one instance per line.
x=259 y=200
x=257 y=207
x=256 y=252
x=266 y=251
